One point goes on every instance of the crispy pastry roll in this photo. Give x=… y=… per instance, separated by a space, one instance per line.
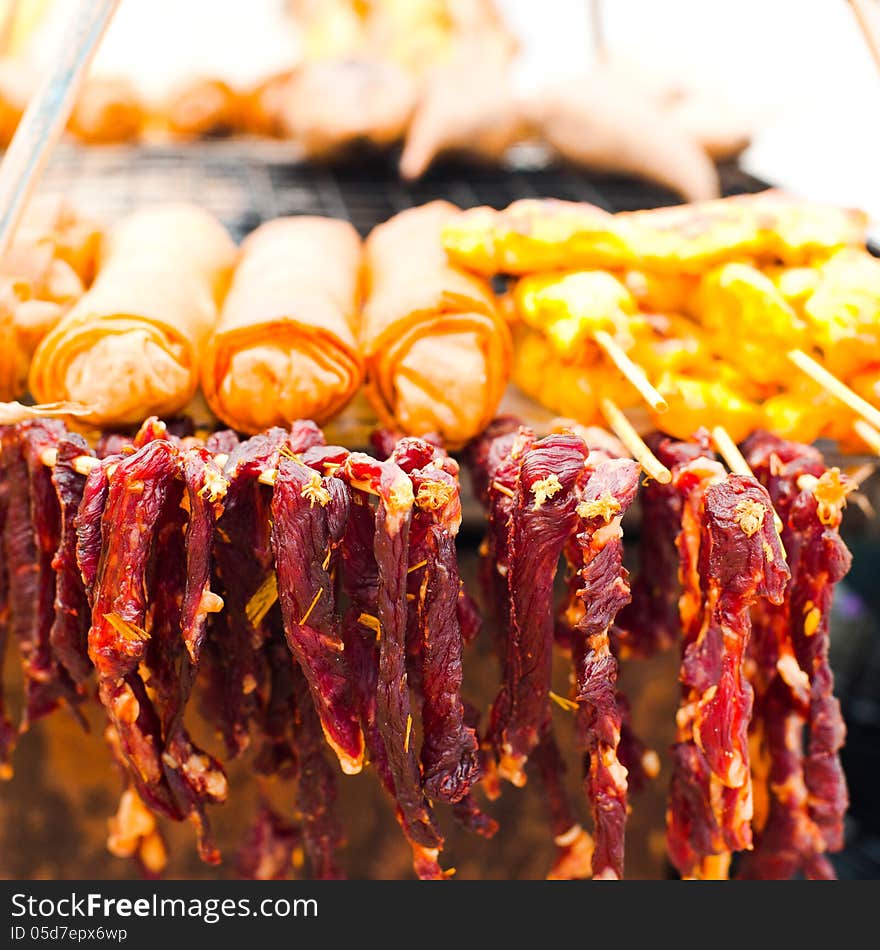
x=286 y=345
x=41 y=276
x=130 y=346
x=438 y=351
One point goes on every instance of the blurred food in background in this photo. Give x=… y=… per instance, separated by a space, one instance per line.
x=432 y=76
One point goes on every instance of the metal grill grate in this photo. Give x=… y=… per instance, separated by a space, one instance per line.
x=244 y=184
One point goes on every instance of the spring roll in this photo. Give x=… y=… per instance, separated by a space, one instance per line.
x=438 y=351
x=130 y=346
x=42 y=276
x=286 y=345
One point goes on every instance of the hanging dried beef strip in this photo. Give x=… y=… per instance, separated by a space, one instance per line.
x=449 y=754
x=180 y=565
x=236 y=676
x=70 y=628
x=731 y=558
x=46 y=682
x=604 y=590
x=361 y=631
x=135 y=640
x=394 y=718
x=136 y=498
x=541 y=520
x=205 y=488
x=821 y=563
x=807 y=794
x=309 y=515
x=7 y=730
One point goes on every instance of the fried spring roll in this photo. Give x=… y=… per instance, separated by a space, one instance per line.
x=438 y=351
x=286 y=345
x=130 y=346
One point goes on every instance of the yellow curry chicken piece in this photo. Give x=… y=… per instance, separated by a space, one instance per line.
x=802 y=415
x=752 y=325
x=670 y=343
x=571 y=388
x=570 y=308
x=660 y=293
x=843 y=311
x=767 y=228
x=695 y=402
x=561 y=387
x=537 y=235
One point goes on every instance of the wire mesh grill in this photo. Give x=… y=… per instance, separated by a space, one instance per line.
x=244 y=184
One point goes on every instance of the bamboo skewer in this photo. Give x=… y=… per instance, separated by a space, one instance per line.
x=729 y=451
x=632 y=371
x=635 y=445
x=868 y=434
x=834 y=387
x=14 y=412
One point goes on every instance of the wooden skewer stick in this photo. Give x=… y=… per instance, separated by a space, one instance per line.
x=13 y=412
x=635 y=445
x=868 y=434
x=47 y=113
x=868 y=18
x=729 y=451
x=735 y=461
x=834 y=387
x=632 y=371
x=82 y=464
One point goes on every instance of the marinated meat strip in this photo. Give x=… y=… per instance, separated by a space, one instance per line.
x=541 y=519
x=70 y=629
x=449 y=754
x=390 y=546
x=806 y=797
x=731 y=558
x=34 y=531
x=7 y=730
x=136 y=496
x=605 y=498
x=235 y=669
x=135 y=639
x=309 y=513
